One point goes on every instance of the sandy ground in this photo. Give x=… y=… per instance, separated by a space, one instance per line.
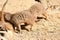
x=16 y=5
x=43 y=30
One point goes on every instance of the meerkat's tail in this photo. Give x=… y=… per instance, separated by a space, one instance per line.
x=4 y=5
x=2 y=12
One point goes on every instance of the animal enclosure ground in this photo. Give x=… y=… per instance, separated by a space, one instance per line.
x=43 y=30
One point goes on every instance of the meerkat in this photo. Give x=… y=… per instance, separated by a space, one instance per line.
x=4 y=25
x=27 y=16
x=21 y=17
x=37 y=10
